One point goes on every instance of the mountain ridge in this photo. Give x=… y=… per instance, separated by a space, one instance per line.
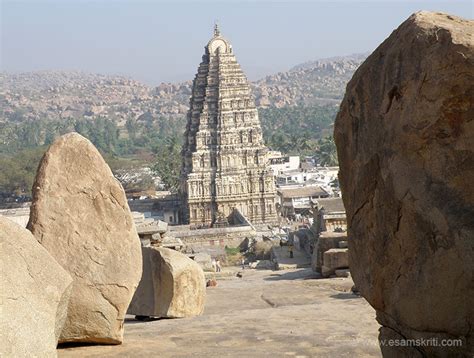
x=57 y=94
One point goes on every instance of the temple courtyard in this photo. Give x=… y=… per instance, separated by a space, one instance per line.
x=264 y=313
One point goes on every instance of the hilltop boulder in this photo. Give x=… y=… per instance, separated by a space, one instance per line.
x=172 y=285
x=405 y=141
x=80 y=215
x=34 y=295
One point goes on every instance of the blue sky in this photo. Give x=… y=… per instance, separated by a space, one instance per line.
x=163 y=41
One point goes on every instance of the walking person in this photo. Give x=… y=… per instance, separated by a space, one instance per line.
x=243 y=263
x=218 y=265
x=290 y=244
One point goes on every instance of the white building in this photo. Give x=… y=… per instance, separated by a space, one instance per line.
x=281 y=163
x=291 y=177
x=325 y=177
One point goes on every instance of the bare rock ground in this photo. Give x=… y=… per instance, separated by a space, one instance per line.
x=263 y=314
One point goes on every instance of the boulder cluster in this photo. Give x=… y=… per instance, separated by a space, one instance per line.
x=405 y=141
x=71 y=276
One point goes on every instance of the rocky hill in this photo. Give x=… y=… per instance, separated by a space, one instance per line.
x=58 y=94
x=311 y=83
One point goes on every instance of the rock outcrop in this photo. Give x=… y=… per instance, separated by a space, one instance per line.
x=172 y=285
x=34 y=295
x=405 y=141
x=80 y=215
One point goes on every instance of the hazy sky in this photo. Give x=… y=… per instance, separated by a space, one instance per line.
x=163 y=41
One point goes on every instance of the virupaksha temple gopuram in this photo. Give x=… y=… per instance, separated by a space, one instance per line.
x=224 y=157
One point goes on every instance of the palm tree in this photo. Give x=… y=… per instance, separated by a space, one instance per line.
x=327 y=152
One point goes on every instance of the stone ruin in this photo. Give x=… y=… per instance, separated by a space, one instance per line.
x=330 y=254
x=405 y=141
x=155 y=232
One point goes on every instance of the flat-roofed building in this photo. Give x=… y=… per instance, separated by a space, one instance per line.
x=330 y=215
x=298 y=200
x=283 y=163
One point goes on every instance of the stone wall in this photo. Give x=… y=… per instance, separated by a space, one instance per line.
x=227 y=236
x=325 y=242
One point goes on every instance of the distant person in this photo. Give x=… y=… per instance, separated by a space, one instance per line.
x=218 y=265
x=243 y=263
x=290 y=250
x=214 y=265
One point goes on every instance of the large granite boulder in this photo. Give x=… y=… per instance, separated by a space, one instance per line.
x=172 y=285
x=405 y=141
x=81 y=216
x=34 y=295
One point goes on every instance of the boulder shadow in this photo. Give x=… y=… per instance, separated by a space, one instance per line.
x=68 y=345
x=345 y=296
x=131 y=320
x=303 y=274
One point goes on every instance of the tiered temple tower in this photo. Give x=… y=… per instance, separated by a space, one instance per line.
x=225 y=164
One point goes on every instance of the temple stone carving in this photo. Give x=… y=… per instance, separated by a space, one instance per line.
x=225 y=164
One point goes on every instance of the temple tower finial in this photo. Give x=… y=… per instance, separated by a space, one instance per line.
x=217 y=32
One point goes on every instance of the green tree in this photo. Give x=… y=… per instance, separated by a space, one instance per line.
x=18 y=172
x=132 y=129
x=168 y=161
x=296 y=130
x=327 y=152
